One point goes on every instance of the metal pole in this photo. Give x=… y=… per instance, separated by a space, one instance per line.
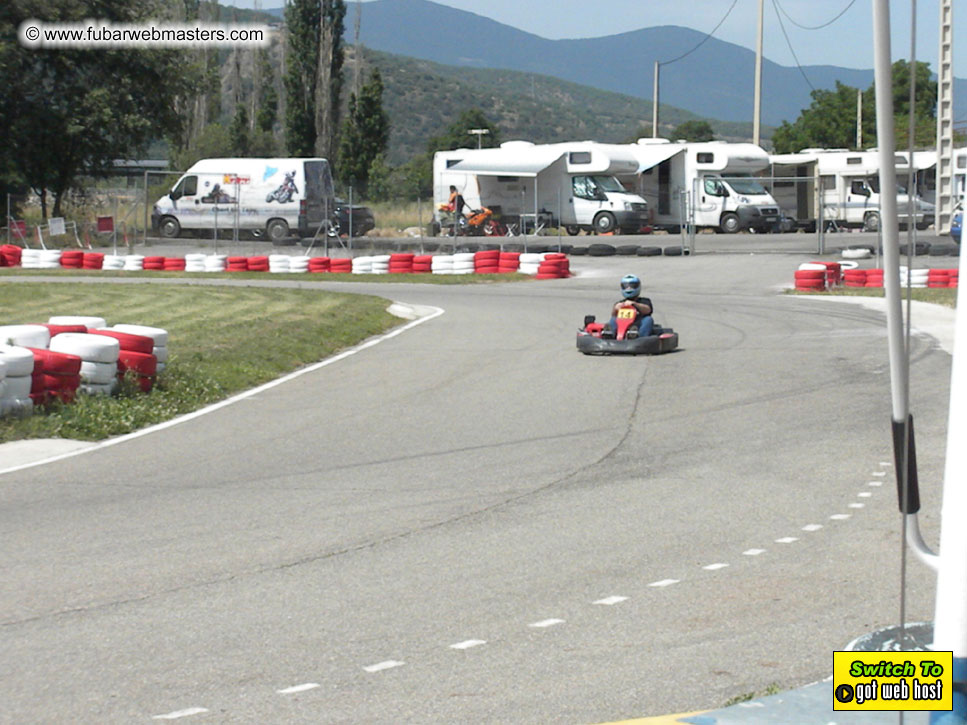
x=654 y=104
x=7 y=225
x=419 y=211
x=560 y=209
x=757 y=96
x=349 y=215
x=145 y=236
x=114 y=226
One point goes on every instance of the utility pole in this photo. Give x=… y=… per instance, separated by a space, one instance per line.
x=859 y=120
x=945 y=120
x=757 y=110
x=654 y=104
x=479 y=133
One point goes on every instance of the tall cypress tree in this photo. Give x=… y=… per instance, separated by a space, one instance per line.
x=329 y=88
x=301 y=62
x=365 y=134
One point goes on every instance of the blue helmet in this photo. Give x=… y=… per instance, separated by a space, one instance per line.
x=630 y=286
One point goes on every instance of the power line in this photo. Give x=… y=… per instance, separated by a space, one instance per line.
x=702 y=42
x=817 y=27
x=775 y=4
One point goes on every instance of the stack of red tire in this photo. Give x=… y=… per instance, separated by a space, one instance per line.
x=401 y=263
x=854 y=278
x=954 y=277
x=72 y=259
x=810 y=279
x=259 y=263
x=11 y=255
x=319 y=265
x=834 y=272
x=93 y=260
x=156 y=264
x=57 y=376
x=341 y=265
x=423 y=264
x=175 y=264
x=874 y=278
x=136 y=355
x=58 y=329
x=509 y=262
x=486 y=261
x=236 y=264
x=554 y=266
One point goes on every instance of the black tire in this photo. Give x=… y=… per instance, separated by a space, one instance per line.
x=514 y=247
x=919 y=249
x=942 y=250
x=605 y=222
x=277 y=230
x=871 y=221
x=572 y=229
x=434 y=229
x=578 y=251
x=673 y=251
x=169 y=227
x=649 y=251
x=729 y=223
x=627 y=250
x=601 y=250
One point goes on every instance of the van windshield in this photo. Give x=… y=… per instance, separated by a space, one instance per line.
x=745 y=185
x=608 y=183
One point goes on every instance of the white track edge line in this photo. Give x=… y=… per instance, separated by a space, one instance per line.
x=437 y=311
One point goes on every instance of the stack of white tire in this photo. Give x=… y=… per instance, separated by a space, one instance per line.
x=362 y=265
x=113 y=262
x=195 y=262
x=133 y=262
x=30 y=259
x=157 y=334
x=86 y=320
x=215 y=262
x=529 y=262
x=441 y=264
x=25 y=335
x=99 y=359
x=917 y=278
x=279 y=264
x=381 y=264
x=16 y=369
x=463 y=263
x=298 y=264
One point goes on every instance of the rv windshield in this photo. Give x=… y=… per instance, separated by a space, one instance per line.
x=745 y=184
x=608 y=183
x=874 y=184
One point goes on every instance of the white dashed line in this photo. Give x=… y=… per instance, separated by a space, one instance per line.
x=379 y=666
x=754 y=552
x=786 y=540
x=546 y=623
x=664 y=583
x=885 y=463
x=840 y=517
x=880 y=474
x=713 y=567
x=298 y=688
x=467 y=644
x=180 y=713
x=857 y=505
x=609 y=601
x=875 y=483
x=864 y=494
x=812 y=527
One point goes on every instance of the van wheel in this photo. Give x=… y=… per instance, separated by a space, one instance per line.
x=604 y=223
x=277 y=230
x=871 y=222
x=572 y=229
x=730 y=223
x=169 y=227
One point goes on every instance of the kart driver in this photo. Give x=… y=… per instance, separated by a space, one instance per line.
x=630 y=293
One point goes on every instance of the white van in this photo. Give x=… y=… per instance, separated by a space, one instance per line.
x=572 y=184
x=708 y=184
x=274 y=198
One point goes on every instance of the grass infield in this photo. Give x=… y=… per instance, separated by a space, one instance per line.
x=222 y=340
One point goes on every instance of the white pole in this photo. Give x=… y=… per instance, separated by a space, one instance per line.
x=757 y=96
x=654 y=106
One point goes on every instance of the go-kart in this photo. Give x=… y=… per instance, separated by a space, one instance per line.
x=598 y=339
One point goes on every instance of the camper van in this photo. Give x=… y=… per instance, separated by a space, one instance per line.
x=847 y=186
x=572 y=184
x=710 y=184
x=270 y=198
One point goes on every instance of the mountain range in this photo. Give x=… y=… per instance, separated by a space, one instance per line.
x=714 y=81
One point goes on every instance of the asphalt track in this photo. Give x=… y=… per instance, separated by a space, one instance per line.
x=471 y=522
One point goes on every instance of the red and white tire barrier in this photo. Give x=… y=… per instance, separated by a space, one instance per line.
x=56 y=376
x=320 y=265
x=487 y=261
x=18 y=367
x=818 y=276
x=401 y=263
x=25 y=335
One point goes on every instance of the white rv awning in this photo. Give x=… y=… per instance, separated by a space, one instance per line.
x=650 y=155
x=529 y=161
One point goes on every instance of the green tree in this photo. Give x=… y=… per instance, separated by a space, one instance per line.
x=239 y=132
x=267 y=110
x=214 y=141
x=694 y=131
x=457 y=134
x=365 y=134
x=830 y=121
x=71 y=112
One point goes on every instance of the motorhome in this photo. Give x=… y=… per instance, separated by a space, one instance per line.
x=710 y=184
x=572 y=184
x=271 y=198
x=842 y=188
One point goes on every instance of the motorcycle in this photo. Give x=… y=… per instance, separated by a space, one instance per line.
x=595 y=338
x=478 y=222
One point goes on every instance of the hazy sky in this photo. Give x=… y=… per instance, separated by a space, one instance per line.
x=847 y=42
